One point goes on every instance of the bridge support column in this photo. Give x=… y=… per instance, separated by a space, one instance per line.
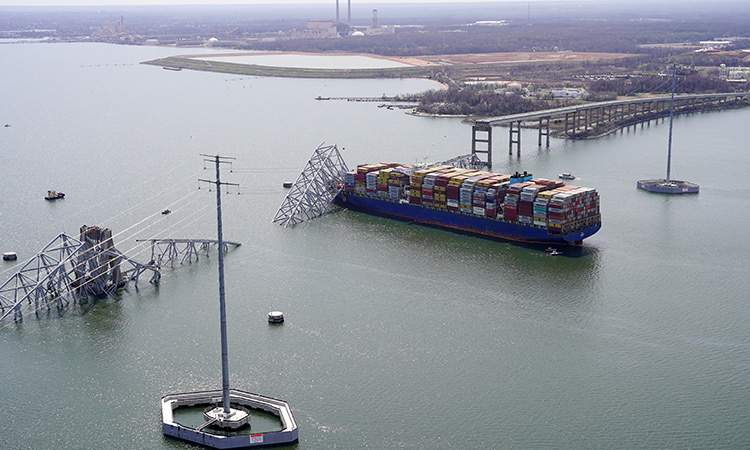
x=485 y=142
x=544 y=130
x=517 y=140
x=587 y=120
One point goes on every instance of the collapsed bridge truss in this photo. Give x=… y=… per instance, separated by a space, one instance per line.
x=68 y=269
x=316 y=187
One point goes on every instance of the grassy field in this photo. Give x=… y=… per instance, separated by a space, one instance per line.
x=289 y=72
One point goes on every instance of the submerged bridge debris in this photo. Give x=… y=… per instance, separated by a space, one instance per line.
x=69 y=269
x=470 y=161
x=170 y=250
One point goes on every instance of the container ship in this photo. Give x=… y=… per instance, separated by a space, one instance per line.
x=514 y=207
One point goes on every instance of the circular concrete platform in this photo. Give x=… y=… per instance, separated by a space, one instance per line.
x=236 y=418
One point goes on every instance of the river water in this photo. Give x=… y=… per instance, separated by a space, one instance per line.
x=396 y=335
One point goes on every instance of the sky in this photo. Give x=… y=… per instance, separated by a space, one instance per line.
x=221 y=2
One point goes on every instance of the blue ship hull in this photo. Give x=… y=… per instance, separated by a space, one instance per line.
x=496 y=229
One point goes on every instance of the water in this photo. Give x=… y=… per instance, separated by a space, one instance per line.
x=395 y=335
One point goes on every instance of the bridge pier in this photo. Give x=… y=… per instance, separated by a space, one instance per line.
x=517 y=140
x=544 y=130
x=579 y=119
x=485 y=141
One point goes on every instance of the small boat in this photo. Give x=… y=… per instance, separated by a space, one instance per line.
x=567 y=176
x=288 y=184
x=54 y=195
x=553 y=251
x=176 y=69
x=166 y=211
x=10 y=256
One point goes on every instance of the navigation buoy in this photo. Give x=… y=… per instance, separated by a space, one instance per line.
x=275 y=317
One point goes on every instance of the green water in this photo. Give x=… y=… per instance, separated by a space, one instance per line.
x=396 y=335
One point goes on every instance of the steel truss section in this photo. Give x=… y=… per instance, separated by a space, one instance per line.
x=316 y=187
x=470 y=161
x=170 y=250
x=68 y=269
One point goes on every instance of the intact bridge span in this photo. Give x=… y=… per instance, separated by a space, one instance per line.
x=592 y=119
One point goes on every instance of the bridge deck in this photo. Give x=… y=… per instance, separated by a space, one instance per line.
x=493 y=121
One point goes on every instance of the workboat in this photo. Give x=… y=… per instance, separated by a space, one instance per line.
x=566 y=176
x=54 y=195
x=515 y=207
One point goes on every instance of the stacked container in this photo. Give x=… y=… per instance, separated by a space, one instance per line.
x=349 y=182
x=428 y=189
x=441 y=182
x=526 y=203
x=360 y=178
x=395 y=186
x=535 y=202
x=540 y=210
x=467 y=195
x=371 y=183
x=484 y=181
x=571 y=204
x=452 y=192
x=510 y=204
x=415 y=187
x=495 y=198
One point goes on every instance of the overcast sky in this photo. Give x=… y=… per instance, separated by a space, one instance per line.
x=218 y=2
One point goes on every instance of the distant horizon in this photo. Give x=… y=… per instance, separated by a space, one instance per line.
x=73 y=3
x=240 y=2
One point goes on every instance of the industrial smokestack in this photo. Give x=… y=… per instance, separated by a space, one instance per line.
x=337 y=11
x=350 y=11
x=374 y=18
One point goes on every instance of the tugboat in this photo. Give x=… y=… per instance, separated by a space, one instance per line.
x=54 y=195
x=10 y=256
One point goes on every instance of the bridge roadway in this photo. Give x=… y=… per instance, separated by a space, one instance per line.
x=579 y=119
